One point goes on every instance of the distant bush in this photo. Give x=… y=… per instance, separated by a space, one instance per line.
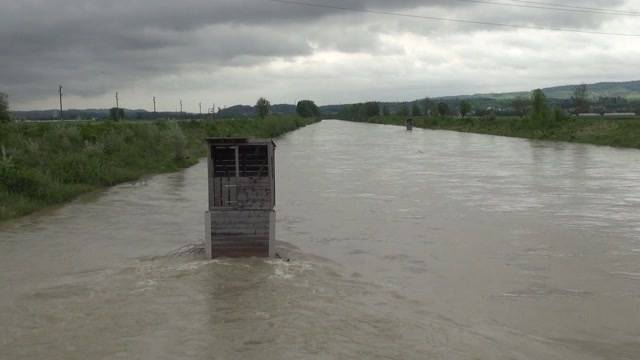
x=362 y=111
x=580 y=99
x=521 y=105
x=403 y=111
x=465 y=108
x=540 y=113
x=488 y=115
x=4 y=108
x=263 y=108
x=116 y=114
x=560 y=115
x=415 y=109
x=307 y=109
x=178 y=141
x=443 y=109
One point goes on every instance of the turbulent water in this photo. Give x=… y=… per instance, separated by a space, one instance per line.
x=400 y=245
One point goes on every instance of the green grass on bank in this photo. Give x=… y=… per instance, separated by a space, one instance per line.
x=610 y=132
x=43 y=164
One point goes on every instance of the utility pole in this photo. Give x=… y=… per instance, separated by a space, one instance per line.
x=200 y=105
x=60 y=92
x=180 y=106
x=213 y=111
x=117 y=107
x=154 y=104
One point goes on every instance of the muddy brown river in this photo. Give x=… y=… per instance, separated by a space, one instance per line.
x=402 y=245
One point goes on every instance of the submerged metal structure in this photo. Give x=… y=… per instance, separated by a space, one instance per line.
x=240 y=221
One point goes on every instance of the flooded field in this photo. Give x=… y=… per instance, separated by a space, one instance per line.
x=400 y=245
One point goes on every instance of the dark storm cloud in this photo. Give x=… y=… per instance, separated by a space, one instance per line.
x=94 y=46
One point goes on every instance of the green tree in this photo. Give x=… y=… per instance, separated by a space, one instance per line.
x=263 y=107
x=429 y=107
x=443 y=109
x=465 y=108
x=559 y=114
x=364 y=111
x=307 y=109
x=540 y=111
x=404 y=111
x=580 y=99
x=116 y=114
x=4 y=108
x=521 y=105
x=355 y=112
x=371 y=109
x=415 y=109
x=385 y=111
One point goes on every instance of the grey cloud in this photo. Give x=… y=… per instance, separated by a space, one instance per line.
x=95 y=46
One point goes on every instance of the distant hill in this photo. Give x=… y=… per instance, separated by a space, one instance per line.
x=559 y=96
x=629 y=90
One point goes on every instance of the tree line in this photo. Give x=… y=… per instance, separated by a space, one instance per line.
x=4 y=108
x=537 y=108
x=426 y=107
x=304 y=108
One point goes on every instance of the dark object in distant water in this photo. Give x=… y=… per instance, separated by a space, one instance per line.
x=409 y=123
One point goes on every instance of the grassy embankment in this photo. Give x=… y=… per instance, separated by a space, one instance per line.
x=43 y=164
x=610 y=132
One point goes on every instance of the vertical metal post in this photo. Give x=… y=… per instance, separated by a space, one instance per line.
x=60 y=92
x=117 y=107
x=237 y=162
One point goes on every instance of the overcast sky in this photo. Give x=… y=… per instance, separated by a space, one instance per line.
x=233 y=51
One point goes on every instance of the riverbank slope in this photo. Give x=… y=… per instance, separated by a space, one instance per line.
x=610 y=132
x=43 y=164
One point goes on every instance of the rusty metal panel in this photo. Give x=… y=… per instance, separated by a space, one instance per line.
x=236 y=232
x=254 y=193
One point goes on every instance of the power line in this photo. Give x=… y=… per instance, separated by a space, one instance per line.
x=464 y=21
x=622 y=12
x=551 y=7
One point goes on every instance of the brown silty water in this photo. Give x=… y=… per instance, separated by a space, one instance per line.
x=402 y=245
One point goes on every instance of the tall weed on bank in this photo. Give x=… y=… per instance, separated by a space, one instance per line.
x=48 y=163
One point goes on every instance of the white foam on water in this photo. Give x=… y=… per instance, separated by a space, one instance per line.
x=287 y=270
x=145 y=285
x=227 y=262
x=190 y=266
x=633 y=275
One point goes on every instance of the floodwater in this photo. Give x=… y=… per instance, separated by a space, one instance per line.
x=401 y=245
